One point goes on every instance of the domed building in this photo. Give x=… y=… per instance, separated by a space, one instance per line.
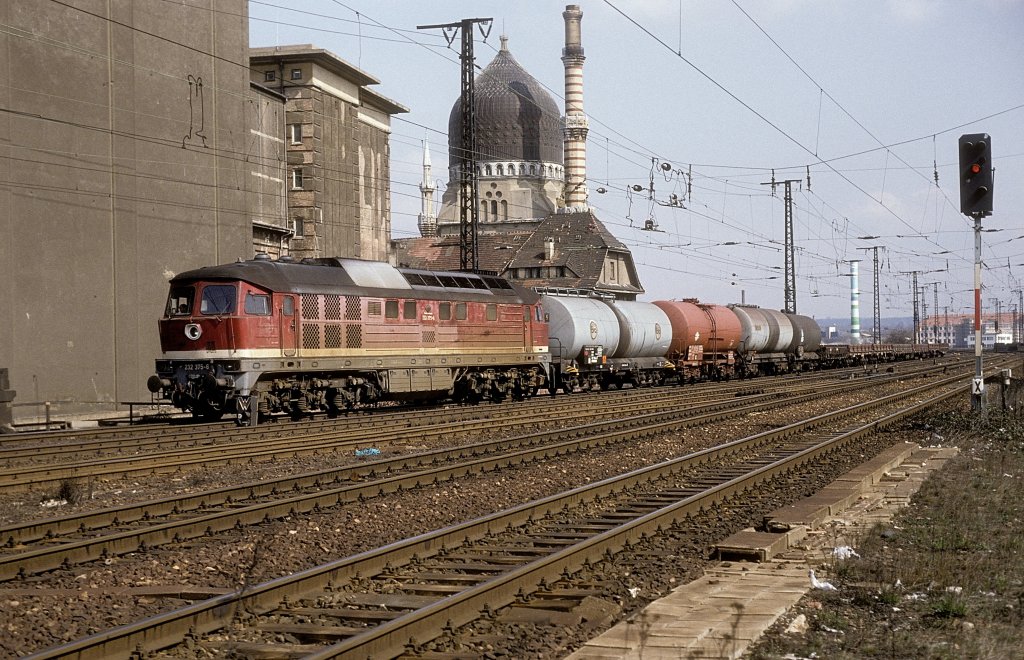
x=534 y=223
x=519 y=137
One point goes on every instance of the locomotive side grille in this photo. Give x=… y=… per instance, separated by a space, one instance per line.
x=354 y=336
x=310 y=335
x=310 y=306
x=353 y=311
x=332 y=306
x=373 y=308
x=332 y=335
x=428 y=337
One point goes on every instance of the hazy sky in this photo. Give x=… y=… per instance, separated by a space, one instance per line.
x=870 y=96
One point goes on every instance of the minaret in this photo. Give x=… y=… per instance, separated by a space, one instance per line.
x=575 y=120
x=427 y=220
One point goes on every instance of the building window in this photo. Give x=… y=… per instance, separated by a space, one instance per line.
x=296 y=74
x=295 y=133
x=299 y=229
x=504 y=210
x=297 y=178
x=501 y=170
x=269 y=76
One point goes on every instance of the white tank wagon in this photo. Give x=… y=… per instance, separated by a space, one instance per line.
x=775 y=342
x=644 y=330
x=605 y=343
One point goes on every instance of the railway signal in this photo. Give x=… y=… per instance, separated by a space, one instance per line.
x=976 y=174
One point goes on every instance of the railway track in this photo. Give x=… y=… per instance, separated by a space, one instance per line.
x=388 y=601
x=42 y=545
x=49 y=445
x=156 y=453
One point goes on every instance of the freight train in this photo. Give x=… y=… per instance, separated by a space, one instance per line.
x=260 y=337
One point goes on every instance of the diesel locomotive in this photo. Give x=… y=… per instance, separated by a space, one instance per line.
x=261 y=337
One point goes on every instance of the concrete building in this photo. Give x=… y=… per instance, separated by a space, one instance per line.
x=122 y=161
x=267 y=180
x=337 y=129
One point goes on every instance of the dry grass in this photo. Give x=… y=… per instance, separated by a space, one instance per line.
x=946 y=578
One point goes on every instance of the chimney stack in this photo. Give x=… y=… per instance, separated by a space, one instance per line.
x=575 y=121
x=855 y=304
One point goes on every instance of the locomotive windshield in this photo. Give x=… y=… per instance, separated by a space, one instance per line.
x=179 y=303
x=218 y=299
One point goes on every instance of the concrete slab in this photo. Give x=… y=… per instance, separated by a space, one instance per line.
x=721 y=613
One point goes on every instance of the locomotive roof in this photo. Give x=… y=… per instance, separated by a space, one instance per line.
x=357 y=276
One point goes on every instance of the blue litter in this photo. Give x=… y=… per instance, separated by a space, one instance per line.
x=369 y=451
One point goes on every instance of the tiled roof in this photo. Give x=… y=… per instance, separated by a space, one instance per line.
x=581 y=244
x=494 y=251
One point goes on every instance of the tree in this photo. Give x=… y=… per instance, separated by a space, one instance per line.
x=898 y=335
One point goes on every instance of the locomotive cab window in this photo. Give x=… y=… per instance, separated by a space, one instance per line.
x=179 y=303
x=460 y=311
x=409 y=310
x=288 y=306
x=218 y=299
x=257 y=304
x=444 y=311
x=391 y=309
x=492 y=312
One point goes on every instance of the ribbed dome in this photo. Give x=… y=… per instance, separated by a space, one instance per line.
x=516 y=119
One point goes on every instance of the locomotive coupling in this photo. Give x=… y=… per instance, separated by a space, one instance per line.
x=157 y=384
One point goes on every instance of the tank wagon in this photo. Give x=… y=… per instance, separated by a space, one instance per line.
x=598 y=343
x=261 y=337
x=775 y=342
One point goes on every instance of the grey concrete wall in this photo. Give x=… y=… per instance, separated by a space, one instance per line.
x=121 y=163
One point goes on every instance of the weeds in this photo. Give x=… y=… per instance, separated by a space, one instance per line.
x=950 y=606
x=70 y=491
x=955 y=551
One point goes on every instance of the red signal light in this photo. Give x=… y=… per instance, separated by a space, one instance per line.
x=975 y=168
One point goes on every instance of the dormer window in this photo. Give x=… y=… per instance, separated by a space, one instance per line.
x=296 y=74
x=269 y=76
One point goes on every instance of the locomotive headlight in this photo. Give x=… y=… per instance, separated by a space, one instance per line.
x=193 y=331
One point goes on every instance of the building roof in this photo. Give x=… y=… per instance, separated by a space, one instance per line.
x=516 y=118
x=494 y=251
x=581 y=244
x=309 y=53
x=379 y=101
